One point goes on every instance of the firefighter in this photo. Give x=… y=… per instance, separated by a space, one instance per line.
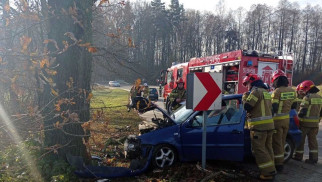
x=299 y=97
x=283 y=98
x=177 y=95
x=257 y=103
x=310 y=114
x=135 y=93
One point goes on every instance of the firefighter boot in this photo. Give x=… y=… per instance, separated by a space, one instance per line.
x=298 y=157
x=311 y=160
x=279 y=168
x=266 y=178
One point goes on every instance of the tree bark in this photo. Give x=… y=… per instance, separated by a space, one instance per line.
x=73 y=67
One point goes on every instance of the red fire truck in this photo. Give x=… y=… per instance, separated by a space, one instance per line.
x=233 y=65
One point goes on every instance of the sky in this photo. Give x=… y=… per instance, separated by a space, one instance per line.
x=209 y=5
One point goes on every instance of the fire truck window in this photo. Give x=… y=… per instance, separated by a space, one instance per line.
x=179 y=73
x=169 y=77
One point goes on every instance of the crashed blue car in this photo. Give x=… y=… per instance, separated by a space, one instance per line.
x=169 y=139
x=179 y=137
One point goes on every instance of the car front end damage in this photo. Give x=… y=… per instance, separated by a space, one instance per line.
x=134 y=149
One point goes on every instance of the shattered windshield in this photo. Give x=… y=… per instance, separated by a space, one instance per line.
x=181 y=114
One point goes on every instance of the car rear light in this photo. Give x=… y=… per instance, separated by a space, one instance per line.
x=296 y=121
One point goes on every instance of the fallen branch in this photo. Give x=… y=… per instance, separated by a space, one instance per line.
x=207 y=178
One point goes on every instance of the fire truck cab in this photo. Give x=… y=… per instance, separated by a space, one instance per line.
x=233 y=65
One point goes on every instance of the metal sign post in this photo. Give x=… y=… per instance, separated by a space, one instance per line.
x=203 y=94
x=204 y=139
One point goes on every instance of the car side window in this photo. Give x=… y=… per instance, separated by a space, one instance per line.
x=230 y=113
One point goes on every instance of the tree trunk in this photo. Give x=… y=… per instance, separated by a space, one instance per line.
x=305 y=43
x=73 y=72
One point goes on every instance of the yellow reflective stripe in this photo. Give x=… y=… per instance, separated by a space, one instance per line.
x=265 y=165
x=280 y=105
x=304 y=102
x=275 y=101
x=299 y=151
x=308 y=111
x=313 y=151
x=287 y=95
x=252 y=97
x=281 y=117
x=309 y=120
x=279 y=156
x=267 y=96
x=316 y=101
x=274 y=131
x=298 y=100
x=253 y=123
x=263 y=107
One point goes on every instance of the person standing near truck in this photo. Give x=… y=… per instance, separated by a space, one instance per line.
x=310 y=114
x=257 y=103
x=177 y=95
x=283 y=98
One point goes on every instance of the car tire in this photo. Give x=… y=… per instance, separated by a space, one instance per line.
x=164 y=156
x=289 y=150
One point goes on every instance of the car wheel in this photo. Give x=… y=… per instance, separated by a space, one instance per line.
x=164 y=156
x=289 y=150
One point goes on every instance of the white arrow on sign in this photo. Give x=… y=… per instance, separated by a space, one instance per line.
x=204 y=91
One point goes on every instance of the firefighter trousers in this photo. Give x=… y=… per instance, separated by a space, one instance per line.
x=279 y=139
x=263 y=151
x=311 y=133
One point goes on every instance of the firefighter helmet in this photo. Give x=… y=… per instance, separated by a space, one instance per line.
x=277 y=74
x=298 y=87
x=306 y=85
x=180 y=81
x=250 y=78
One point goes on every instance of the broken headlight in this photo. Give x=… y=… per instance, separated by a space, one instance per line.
x=132 y=147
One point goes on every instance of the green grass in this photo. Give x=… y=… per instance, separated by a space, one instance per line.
x=114 y=123
x=109 y=98
x=113 y=102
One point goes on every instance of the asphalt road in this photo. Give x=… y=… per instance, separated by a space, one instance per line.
x=300 y=171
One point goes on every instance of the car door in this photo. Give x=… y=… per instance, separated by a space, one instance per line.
x=225 y=133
